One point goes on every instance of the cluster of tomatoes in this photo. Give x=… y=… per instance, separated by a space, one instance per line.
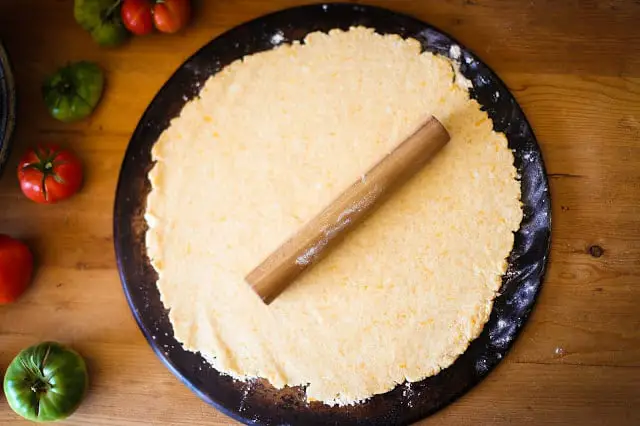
x=167 y=16
x=110 y=22
x=47 y=175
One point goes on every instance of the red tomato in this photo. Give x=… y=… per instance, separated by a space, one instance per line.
x=48 y=174
x=16 y=267
x=137 y=17
x=170 y=16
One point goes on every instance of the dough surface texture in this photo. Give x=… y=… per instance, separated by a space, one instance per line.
x=274 y=138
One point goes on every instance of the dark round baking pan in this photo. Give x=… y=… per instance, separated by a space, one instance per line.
x=258 y=402
x=7 y=107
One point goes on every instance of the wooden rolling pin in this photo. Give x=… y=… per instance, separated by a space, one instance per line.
x=329 y=227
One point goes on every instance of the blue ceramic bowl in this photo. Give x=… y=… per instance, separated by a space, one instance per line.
x=7 y=107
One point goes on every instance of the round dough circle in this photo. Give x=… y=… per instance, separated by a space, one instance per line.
x=270 y=141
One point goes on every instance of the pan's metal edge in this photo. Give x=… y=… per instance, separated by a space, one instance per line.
x=119 y=232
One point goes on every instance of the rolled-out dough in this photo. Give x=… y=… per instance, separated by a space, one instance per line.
x=271 y=140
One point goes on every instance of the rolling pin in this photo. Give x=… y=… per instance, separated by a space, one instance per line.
x=324 y=231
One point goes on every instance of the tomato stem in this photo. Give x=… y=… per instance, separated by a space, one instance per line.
x=109 y=12
x=65 y=86
x=39 y=386
x=45 y=164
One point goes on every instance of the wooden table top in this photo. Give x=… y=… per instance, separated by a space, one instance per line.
x=574 y=68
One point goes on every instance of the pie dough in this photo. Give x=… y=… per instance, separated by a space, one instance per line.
x=275 y=137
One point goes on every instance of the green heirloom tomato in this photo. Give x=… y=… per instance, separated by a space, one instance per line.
x=102 y=19
x=73 y=92
x=46 y=382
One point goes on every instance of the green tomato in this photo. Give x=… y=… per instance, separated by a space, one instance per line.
x=102 y=19
x=73 y=92
x=46 y=382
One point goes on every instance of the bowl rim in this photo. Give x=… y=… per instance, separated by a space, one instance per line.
x=7 y=106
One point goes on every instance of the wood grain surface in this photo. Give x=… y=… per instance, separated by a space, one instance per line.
x=574 y=66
